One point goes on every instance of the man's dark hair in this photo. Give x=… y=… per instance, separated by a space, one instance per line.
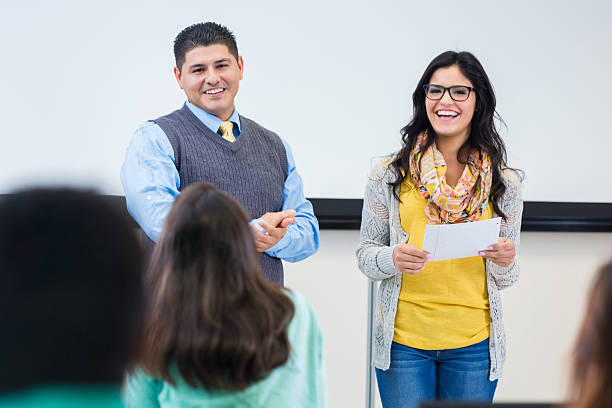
x=71 y=289
x=203 y=35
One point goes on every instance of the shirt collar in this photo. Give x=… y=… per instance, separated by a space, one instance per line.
x=211 y=121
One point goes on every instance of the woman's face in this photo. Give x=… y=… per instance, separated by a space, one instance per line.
x=450 y=118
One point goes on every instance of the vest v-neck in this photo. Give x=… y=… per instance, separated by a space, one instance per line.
x=214 y=136
x=253 y=169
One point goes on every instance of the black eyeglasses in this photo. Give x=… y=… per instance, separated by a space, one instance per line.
x=457 y=93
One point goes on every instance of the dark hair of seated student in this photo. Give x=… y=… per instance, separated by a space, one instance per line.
x=210 y=310
x=592 y=358
x=71 y=292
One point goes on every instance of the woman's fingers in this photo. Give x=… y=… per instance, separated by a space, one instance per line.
x=502 y=253
x=409 y=259
x=411 y=252
x=411 y=266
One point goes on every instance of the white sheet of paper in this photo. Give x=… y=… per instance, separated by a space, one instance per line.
x=451 y=241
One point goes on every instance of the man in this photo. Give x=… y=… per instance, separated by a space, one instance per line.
x=207 y=140
x=70 y=299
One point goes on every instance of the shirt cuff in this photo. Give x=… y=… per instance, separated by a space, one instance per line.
x=255 y=223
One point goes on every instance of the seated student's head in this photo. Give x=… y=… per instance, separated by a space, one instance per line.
x=70 y=289
x=592 y=359
x=213 y=318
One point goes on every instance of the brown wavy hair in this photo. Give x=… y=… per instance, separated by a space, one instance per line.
x=211 y=311
x=591 y=381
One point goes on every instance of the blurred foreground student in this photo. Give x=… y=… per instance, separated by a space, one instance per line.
x=217 y=332
x=592 y=359
x=70 y=299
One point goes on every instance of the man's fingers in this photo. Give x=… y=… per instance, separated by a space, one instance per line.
x=269 y=228
x=260 y=239
x=286 y=222
x=276 y=218
x=289 y=213
x=257 y=233
x=272 y=218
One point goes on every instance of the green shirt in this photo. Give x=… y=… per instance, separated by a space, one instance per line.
x=64 y=396
x=301 y=382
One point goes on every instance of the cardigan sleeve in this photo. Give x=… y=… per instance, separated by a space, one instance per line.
x=374 y=254
x=512 y=206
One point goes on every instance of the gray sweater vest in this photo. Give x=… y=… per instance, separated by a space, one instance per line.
x=253 y=169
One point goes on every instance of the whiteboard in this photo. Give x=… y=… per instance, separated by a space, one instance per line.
x=334 y=79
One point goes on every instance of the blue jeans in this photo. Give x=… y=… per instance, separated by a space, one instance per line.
x=417 y=375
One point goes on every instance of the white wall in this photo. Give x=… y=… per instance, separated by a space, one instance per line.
x=77 y=77
x=542 y=311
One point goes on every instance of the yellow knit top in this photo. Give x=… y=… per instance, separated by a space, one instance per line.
x=446 y=305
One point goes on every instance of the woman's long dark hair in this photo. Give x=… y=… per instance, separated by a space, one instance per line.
x=592 y=357
x=211 y=310
x=483 y=133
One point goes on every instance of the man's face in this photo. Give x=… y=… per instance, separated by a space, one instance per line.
x=210 y=76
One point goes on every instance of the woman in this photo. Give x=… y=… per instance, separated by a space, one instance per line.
x=217 y=332
x=592 y=360
x=438 y=330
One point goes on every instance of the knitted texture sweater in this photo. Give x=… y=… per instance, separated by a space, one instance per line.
x=253 y=169
x=381 y=231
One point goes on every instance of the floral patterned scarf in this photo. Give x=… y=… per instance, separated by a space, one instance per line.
x=445 y=204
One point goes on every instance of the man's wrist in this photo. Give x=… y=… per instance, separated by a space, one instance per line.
x=282 y=243
x=255 y=223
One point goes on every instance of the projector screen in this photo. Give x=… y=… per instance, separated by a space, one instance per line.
x=334 y=79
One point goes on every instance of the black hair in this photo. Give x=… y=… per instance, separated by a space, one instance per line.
x=483 y=134
x=203 y=35
x=71 y=291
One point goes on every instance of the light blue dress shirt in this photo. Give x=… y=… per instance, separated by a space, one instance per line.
x=151 y=183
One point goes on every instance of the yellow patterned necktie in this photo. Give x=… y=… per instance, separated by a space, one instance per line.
x=226 y=131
